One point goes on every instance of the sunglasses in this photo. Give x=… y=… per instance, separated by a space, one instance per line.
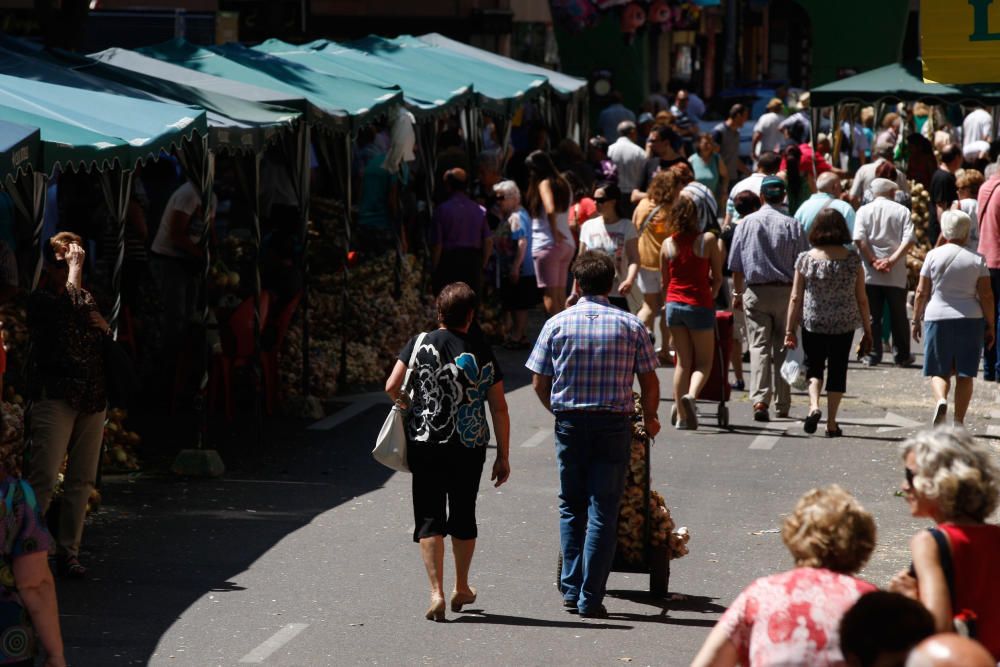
x=910 y=475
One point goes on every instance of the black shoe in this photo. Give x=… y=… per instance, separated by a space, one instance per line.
x=746 y=357
x=906 y=363
x=739 y=385
x=836 y=433
x=871 y=361
x=760 y=412
x=570 y=605
x=599 y=612
x=809 y=426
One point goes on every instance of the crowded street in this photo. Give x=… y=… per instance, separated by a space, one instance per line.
x=499 y=332
x=318 y=543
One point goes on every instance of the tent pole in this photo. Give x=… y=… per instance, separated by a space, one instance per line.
x=344 y=297
x=303 y=143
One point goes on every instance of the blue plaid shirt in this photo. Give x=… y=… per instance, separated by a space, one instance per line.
x=592 y=351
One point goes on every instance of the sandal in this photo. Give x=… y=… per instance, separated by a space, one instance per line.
x=835 y=434
x=70 y=567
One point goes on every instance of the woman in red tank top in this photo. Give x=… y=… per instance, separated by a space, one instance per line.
x=951 y=478
x=691 y=264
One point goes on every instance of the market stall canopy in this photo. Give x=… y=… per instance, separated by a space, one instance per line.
x=562 y=84
x=333 y=102
x=423 y=94
x=20 y=149
x=901 y=82
x=70 y=69
x=241 y=117
x=498 y=90
x=83 y=129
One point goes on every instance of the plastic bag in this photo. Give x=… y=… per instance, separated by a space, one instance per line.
x=794 y=369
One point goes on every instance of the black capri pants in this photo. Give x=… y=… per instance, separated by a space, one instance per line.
x=831 y=351
x=445 y=486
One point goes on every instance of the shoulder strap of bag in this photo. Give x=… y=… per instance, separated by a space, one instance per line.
x=944 y=555
x=413 y=358
x=649 y=217
x=954 y=256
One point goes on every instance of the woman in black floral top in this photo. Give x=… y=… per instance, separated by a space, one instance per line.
x=454 y=376
x=68 y=390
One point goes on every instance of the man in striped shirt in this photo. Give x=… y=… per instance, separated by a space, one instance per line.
x=584 y=362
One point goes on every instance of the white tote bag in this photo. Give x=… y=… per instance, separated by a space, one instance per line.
x=390 y=447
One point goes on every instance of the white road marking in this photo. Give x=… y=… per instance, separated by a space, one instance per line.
x=358 y=405
x=537 y=439
x=769 y=441
x=277 y=640
x=993 y=431
x=891 y=422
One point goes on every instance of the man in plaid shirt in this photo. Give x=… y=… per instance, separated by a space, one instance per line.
x=584 y=362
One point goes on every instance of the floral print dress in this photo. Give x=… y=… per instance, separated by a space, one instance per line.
x=829 y=306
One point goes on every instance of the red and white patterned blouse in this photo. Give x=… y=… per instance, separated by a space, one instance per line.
x=792 y=618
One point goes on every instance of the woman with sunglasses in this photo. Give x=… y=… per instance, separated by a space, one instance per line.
x=951 y=478
x=616 y=236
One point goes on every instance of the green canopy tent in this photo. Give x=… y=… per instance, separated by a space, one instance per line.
x=571 y=91
x=20 y=150
x=423 y=95
x=77 y=132
x=901 y=82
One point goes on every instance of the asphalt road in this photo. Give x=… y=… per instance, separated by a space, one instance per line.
x=312 y=562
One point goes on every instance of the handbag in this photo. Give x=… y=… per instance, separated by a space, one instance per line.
x=390 y=446
x=121 y=380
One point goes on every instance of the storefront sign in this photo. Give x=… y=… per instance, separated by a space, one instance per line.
x=960 y=40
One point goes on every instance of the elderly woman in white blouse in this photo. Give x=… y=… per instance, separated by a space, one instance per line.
x=954 y=310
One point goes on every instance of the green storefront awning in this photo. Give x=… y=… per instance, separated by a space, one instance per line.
x=335 y=103
x=498 y=90
x=422 y=94
x=20 y=149
x=901 y=82
x=83 y=129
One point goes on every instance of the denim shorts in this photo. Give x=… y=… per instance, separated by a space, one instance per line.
x=692 y=317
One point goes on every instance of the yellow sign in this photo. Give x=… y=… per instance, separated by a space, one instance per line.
x=960 y=41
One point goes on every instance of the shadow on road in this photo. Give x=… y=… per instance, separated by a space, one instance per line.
x=479 y=616
x=674 y=602
x=160 y=543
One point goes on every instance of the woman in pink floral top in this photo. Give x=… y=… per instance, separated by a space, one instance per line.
x=792 y=618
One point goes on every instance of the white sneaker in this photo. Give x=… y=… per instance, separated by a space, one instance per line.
x=940 y=412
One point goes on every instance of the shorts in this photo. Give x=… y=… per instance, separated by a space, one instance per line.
x=522 y=295
x=445 y=486
x=696 y=318
x=953 y=347
x=650 y=281
x=552 y=264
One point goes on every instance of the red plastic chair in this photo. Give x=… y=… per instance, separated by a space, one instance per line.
x=238 y=349
x=269 y=360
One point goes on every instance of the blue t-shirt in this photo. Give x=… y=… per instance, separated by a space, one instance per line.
x=524 y=232
x=373 y=210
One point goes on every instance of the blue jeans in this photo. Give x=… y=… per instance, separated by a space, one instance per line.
x=593 y=454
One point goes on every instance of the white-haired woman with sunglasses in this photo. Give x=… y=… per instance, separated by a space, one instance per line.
x=955 y=302
x=519 y=291
x=951 y=478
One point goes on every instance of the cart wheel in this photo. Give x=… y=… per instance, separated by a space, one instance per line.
x=659 y=575
x=673 y=415
x=559 y=574
x=723 y=416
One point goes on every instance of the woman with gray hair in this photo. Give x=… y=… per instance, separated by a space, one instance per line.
x=955 y=304
x=951 y=478
x=512 y=241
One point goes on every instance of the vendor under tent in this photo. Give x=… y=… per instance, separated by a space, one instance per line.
x=78 y=133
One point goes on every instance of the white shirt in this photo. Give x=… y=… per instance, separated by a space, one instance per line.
x=954 y=272
x=978 y=126
x=885 y=225
x=630 y=160
x=770 y=135
x=866 y=174
x=751 y=183
x=610 y=239
x=186 y=200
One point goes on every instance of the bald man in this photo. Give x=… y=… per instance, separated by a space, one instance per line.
x=950 y=650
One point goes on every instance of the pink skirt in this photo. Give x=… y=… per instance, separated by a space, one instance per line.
x=552 y=264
